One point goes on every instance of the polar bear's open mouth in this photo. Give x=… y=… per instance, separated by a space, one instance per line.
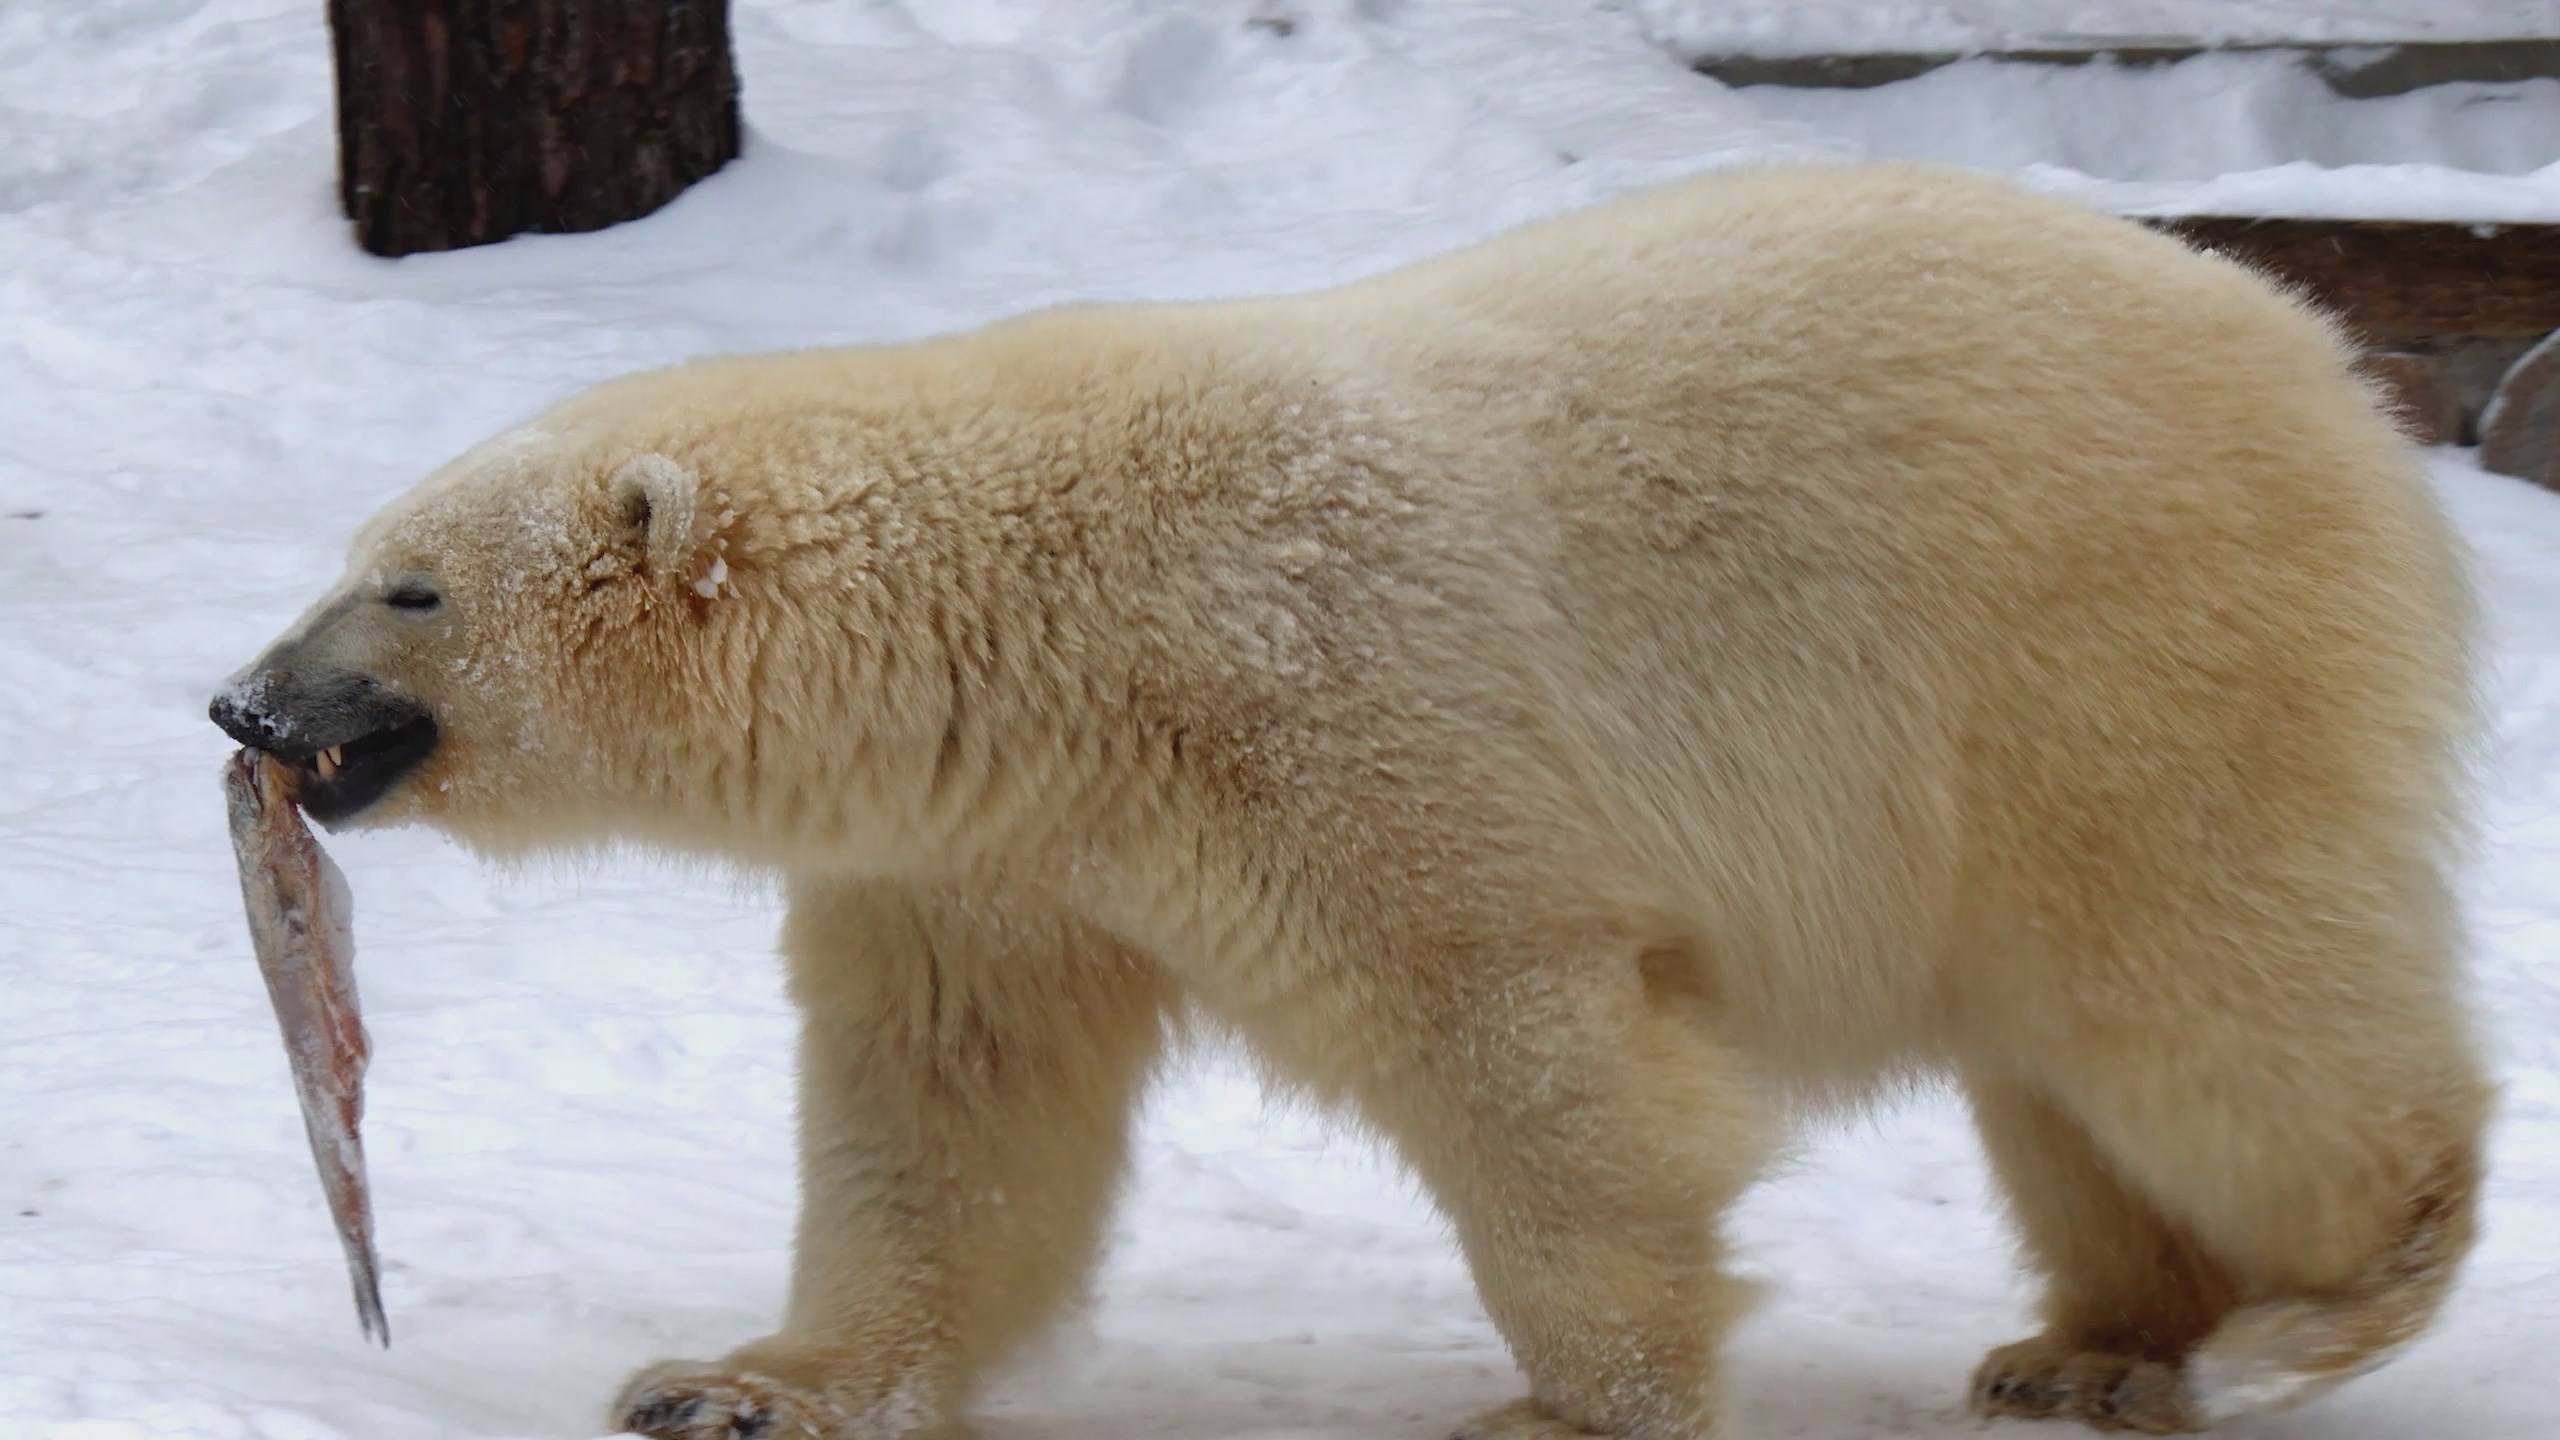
x=337 y=781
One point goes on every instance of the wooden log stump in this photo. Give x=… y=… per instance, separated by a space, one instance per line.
x=462 y=122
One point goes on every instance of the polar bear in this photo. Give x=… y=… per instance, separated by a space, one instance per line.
x=1574 y=703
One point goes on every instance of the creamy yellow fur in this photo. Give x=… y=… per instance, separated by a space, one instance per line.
x=1568 y=703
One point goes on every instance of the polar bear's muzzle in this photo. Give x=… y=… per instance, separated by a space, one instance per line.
x=347 y=738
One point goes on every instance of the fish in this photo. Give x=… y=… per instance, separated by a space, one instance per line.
x=301 y=924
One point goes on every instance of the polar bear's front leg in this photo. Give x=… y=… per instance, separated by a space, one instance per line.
x=1589 y=1219
x=1583 y=1134
x=968 y=1070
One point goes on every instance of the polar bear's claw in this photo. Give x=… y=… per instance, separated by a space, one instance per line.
x=683 y=1400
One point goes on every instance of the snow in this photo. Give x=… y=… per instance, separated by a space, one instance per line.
x=578 y=1120
x=2301 y=190
x=2227 y=134
x=708 y=587
x=2218 y=134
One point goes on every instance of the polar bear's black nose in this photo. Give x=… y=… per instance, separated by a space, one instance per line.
x=243 y=721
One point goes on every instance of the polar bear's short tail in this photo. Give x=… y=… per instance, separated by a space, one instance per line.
x=2276 y=1355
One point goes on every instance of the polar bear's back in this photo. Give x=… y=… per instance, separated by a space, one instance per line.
x=1935 y=541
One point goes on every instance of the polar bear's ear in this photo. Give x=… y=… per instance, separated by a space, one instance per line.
x=656 y=501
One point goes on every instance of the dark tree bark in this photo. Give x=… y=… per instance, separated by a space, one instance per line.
x=461 y=122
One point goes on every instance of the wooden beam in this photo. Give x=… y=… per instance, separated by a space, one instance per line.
x=2357 y=72
x=2398 y=281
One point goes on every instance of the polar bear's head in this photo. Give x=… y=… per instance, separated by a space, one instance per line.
x=513 y=653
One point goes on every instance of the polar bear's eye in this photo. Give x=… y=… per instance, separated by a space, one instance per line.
x=413 y=597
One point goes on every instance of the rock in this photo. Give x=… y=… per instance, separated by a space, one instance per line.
x=2520 y=431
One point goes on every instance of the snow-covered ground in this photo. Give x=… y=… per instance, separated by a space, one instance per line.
x=578 y=1123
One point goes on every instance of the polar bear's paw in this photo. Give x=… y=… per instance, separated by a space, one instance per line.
x=698 y=1400
x=2048 y=1378
x=1519 y=1420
